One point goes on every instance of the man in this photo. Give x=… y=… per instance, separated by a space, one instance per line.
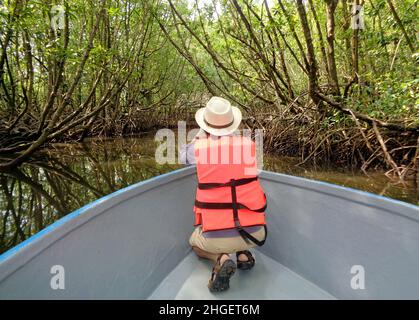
x=230 y=203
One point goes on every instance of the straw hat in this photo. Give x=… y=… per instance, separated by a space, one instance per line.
x=218 y=117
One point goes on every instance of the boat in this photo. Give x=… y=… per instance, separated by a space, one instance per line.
x=324 y=242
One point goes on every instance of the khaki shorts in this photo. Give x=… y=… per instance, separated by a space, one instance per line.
x=223 y=245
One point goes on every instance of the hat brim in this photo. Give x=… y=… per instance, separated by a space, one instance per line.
x=237 y=114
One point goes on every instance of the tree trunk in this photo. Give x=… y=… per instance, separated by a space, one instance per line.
x=330 y=12
x=401 y=26
x=355 y=48
x=311 y=58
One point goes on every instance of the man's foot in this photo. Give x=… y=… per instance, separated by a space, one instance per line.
x=223 y=269
x=245 y=260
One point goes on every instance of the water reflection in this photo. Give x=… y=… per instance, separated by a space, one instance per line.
x=374 y=182
x=67 y=176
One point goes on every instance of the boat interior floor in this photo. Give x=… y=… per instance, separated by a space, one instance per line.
x=267 y=280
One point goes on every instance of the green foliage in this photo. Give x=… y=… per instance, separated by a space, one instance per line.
x=129 y=42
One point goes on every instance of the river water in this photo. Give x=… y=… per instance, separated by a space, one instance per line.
x=67 y=176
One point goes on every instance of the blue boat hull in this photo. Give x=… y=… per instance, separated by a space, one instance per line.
x=325 y=242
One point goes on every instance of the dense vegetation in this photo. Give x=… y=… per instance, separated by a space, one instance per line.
x=327 y=80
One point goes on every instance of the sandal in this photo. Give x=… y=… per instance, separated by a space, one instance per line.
x=221 y=274
x=245 y=265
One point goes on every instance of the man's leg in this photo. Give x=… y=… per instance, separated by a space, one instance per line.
x=223 y=268
x=211 y=256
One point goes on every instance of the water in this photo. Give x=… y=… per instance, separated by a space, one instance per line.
x=65 y=177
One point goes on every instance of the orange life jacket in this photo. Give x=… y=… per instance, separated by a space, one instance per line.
x=229 y=195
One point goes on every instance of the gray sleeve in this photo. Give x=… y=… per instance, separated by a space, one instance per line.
x=187 y=154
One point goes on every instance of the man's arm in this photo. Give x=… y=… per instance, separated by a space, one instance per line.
x=187 y=151
x=187 y=154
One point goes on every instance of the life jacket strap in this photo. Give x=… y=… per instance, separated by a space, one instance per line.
x=247 y=236
x=238 y=182
x=234 y=205
x=227 y=205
